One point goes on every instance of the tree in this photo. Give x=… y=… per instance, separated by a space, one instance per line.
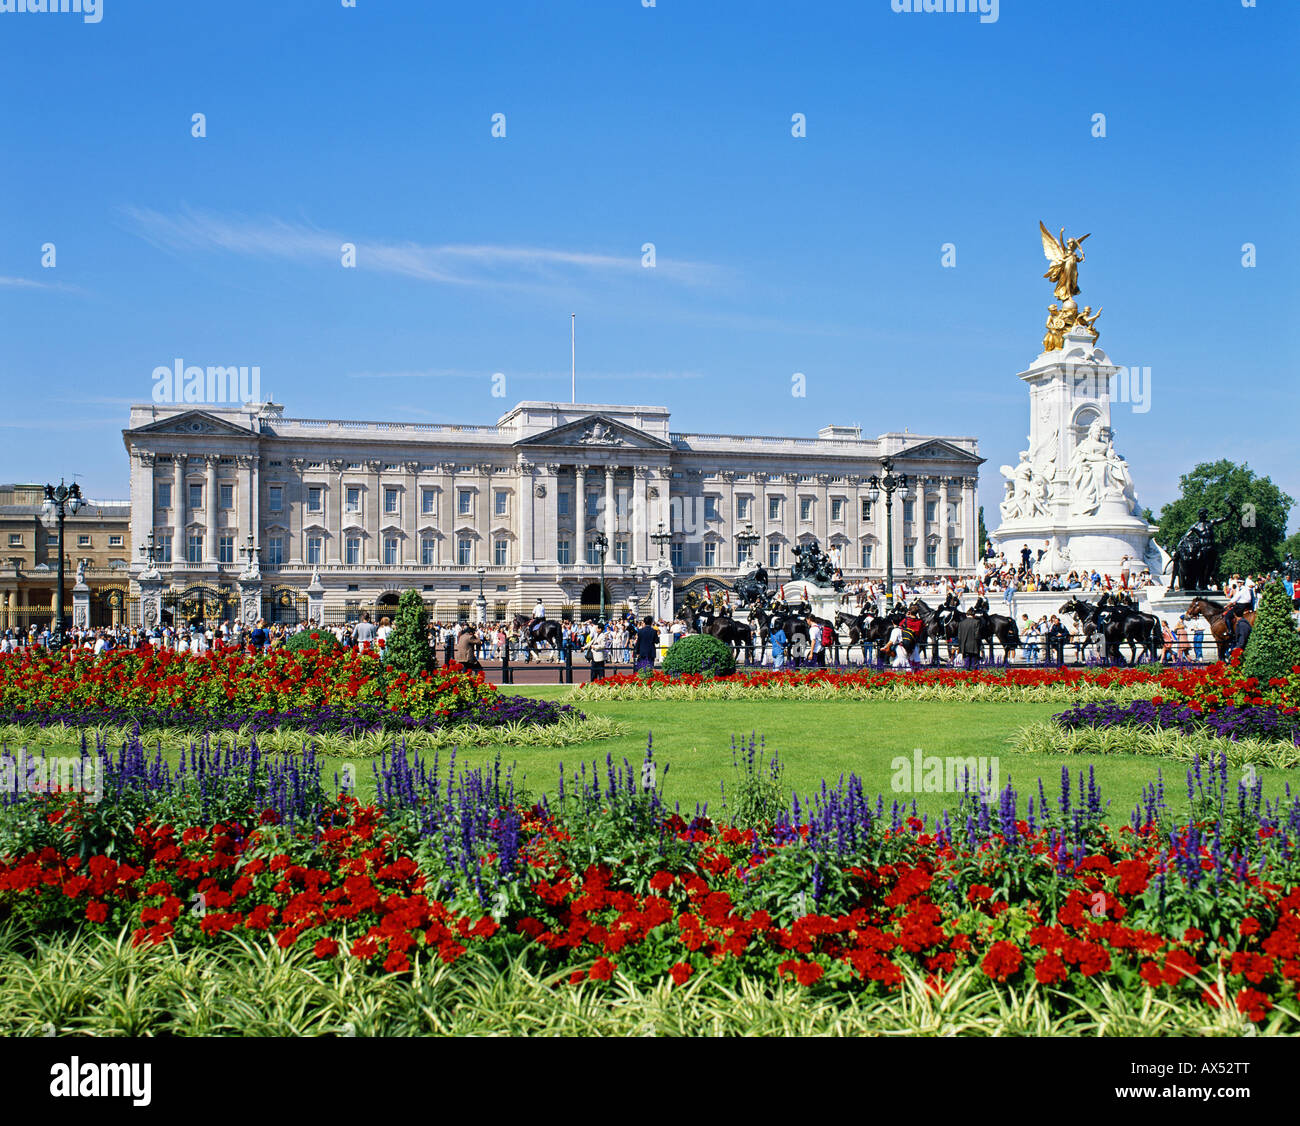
x=1250 y=541
x=407 y=648
x=1291 y=545
x=1274 y=645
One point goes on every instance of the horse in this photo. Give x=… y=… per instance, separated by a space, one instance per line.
x=1214 y=615
x=1117 y=625
x=858 y=625
x=734 y=633
x=547 y=631
x=993 y=628
x=940 y=624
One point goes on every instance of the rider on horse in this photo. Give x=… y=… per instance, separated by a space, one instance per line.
x=539 y=616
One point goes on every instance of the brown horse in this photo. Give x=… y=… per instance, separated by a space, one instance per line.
x=1213 y=613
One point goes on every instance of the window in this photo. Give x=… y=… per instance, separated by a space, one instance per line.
x=932 y=555
x=52 y=539
x=196 y=496
x=837 y=510
x=909 y=511
x=428 y=551
x=313 y=550
x=464 y=502
x=15 y=539
x=114 y=541
x=226 y=549
x=562 y=504
x=390 y=500
x=742 y=508
x=953 y=549
x=774 y=555
x=464 y=551
x=710 y=553
x=427 y=502
x=676 y=553
x=499 y=611
x=744 y=553
x=593 y=503
x=390 y=550
x=866 y=509
x=275 y=550
x=499 y=502
x=562 y=550
x=774 y=508
x=164 y=494
x=909 y=555
x=194 y=548
x=805 y=509
x=275 y=498
x=83 y=540
x=353 y=500
x=462 y=611
x=226 y=498
x=501 y=552
x=163 y=551
x=620 y=552
x=710 y=508
x=352 y=550
x=866 y=555
x=954 y=512
x=593 y=559
x=931 y=510
x=315 y=499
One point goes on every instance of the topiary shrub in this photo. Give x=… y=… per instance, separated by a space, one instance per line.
x=699 y=653
x=320 y=640
x=407 y=648
x=1274 y=645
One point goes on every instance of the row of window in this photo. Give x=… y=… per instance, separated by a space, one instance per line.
x=84 y=539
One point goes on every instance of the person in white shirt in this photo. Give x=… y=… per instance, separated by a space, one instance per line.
x=900 y=660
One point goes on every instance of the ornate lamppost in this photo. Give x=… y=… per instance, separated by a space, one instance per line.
x=59 y=500
x=746 y=540
x=889 y=483
x=600 y=542
x=661 y=537
x=480 y=607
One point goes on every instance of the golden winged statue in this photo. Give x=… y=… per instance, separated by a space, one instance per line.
x=1064 y=257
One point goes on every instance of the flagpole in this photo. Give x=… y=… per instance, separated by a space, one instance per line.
x=573 y=357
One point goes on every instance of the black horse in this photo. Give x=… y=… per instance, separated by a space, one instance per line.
x=1118 y=624
x=734 y=633
x=940 y=624
x=996 y=629
x=547 y=632
x=797 y=635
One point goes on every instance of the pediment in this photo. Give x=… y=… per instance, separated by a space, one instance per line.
x=596 y=432
x=192 y=422
x=938 y=450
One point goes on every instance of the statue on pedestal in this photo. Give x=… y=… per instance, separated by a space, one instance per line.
x=1196 y=558
x=1064 y=256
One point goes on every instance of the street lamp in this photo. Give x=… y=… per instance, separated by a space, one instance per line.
x=58 y=501
x=600 y=542
x=890 y=483
x=746 y=540
x=661 y=537
x=149 y=552
x=481 y=605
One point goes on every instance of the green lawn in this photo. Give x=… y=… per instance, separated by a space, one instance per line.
x=824 y=739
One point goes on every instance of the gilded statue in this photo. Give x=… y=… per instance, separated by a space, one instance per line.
x=1088 y=319
x=1064 y=256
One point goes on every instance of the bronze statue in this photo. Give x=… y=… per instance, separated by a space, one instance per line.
x=1196 y=558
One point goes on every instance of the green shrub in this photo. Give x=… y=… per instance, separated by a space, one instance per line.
x=312 y=638
x=699 y=653
x=1274 y=645
x=407 y=648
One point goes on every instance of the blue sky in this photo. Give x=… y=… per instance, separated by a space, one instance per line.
x=670 y=125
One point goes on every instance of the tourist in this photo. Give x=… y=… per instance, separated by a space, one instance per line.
x=464 y=649
x=968 y=640
x=385 y=628
x=596 y=652
x=647 y=643
x=365 y=631
x=778 y=641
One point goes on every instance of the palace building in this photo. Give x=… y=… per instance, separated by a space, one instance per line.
x=339 y=516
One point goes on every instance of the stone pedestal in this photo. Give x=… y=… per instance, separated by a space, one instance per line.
x=316 y=601
x=250 y=598
x=151 y=610
x=661 y=594
x=80 y=606
x=824 y=599
x=1070 y=488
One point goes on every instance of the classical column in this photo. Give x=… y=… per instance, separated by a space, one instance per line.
x=900 y=501
x=255 y=500
x=374 y=504
x=178 y=509
x=580 y=514
x=547 y=530
x=526 y=500
x=296 y=510
x=333 y=513
x=944 y=535
x=640 y=516
x=210 y=508
x=412 y=513
x=610 y=524
x=143 y=514
x=970 y=549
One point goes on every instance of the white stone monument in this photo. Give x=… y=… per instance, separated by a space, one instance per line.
x=1071 y=489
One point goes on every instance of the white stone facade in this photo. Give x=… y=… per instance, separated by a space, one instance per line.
x=374 y=508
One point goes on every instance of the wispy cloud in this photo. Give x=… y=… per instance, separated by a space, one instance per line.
x=31 y=283
x=597 y=376
x=447 y=264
